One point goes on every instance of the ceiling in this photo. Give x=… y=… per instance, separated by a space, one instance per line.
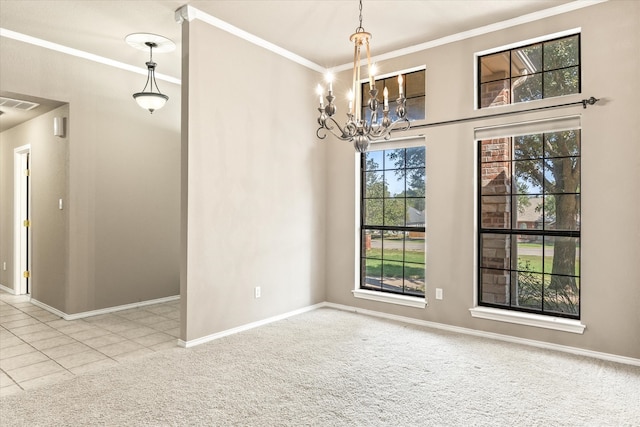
x=317 y=30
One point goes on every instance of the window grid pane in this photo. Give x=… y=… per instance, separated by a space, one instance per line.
x=527 y=73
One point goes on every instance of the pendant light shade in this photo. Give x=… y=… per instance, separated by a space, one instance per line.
x=150 y=101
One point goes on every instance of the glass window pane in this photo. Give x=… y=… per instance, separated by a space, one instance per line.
x=562 y=255
x=531 y=254
x=527 y=88
x=495 y=93
x=562 y=212
x=416 y=212
x=527 y=176
x=495 y=150
x=393 y=246
x=496 y=178
x=495 y=250
x=562 y=294
x=373 y=212
x=414 y=246
x=561 y=82
x=416 y=181
x=414 y=279
x=394 y=159
x=392 y=276
x=374 y=184
x=495 y=286
x=526 y=60
x=529 y=213
x=496 y=212
x=414 y=84
x=494 y=67
x=562 y=144
x=561 y=53
x=374 y=160
x=391 y=84
x=416 y=157
x=415 y=108
x=527 y=289
x=372 y=244
x=528 y=147
x=562 y=175
x=373 y=274
x=394 y=212
x=395 y=182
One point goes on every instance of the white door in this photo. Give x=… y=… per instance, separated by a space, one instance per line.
x=22 y=235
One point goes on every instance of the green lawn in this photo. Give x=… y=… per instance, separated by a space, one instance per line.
x=534 y=263
x=392 y=263
x=396 y=255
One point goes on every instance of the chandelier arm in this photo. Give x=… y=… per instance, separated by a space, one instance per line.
x=346 y=133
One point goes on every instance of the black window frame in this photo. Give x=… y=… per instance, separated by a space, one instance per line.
x=389 y=228
x=542 y=72
x=513 y=232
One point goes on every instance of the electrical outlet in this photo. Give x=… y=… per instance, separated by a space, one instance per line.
x=438 y=293
x=257 y=292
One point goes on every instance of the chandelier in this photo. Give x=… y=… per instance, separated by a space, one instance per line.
x=150 y=100
x=358 y=129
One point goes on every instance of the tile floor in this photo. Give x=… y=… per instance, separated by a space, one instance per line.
x=38 y=347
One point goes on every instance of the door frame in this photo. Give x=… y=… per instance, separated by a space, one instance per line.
x=21 y=212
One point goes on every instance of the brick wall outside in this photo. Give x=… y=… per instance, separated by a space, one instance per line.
x=495 y=178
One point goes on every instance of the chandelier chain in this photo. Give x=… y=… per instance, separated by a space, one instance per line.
x=360 y=28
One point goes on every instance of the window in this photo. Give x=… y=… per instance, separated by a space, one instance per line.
x=414 y=91
x=540 y=70
x=529 y=223
x=393 y=221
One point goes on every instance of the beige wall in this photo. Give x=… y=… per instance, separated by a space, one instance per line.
x=253 y=184
x=122 y=240
x=610 y=246
x=48 y=181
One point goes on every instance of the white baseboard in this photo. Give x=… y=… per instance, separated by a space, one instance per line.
x=82 y=315
x=217 y=335
x=507 y=338
x=7 y=290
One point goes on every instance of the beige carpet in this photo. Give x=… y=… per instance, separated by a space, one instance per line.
x=332 y=368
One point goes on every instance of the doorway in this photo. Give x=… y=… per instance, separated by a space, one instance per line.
x=21 y=218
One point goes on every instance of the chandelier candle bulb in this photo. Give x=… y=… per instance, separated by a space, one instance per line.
x=350 y=97
x=400 y=91
x=386 y=99
x=320 y=94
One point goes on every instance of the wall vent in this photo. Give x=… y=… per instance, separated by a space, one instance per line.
x=17 y=104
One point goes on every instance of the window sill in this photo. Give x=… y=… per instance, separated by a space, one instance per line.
x=529 y=319
x=408 y=301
